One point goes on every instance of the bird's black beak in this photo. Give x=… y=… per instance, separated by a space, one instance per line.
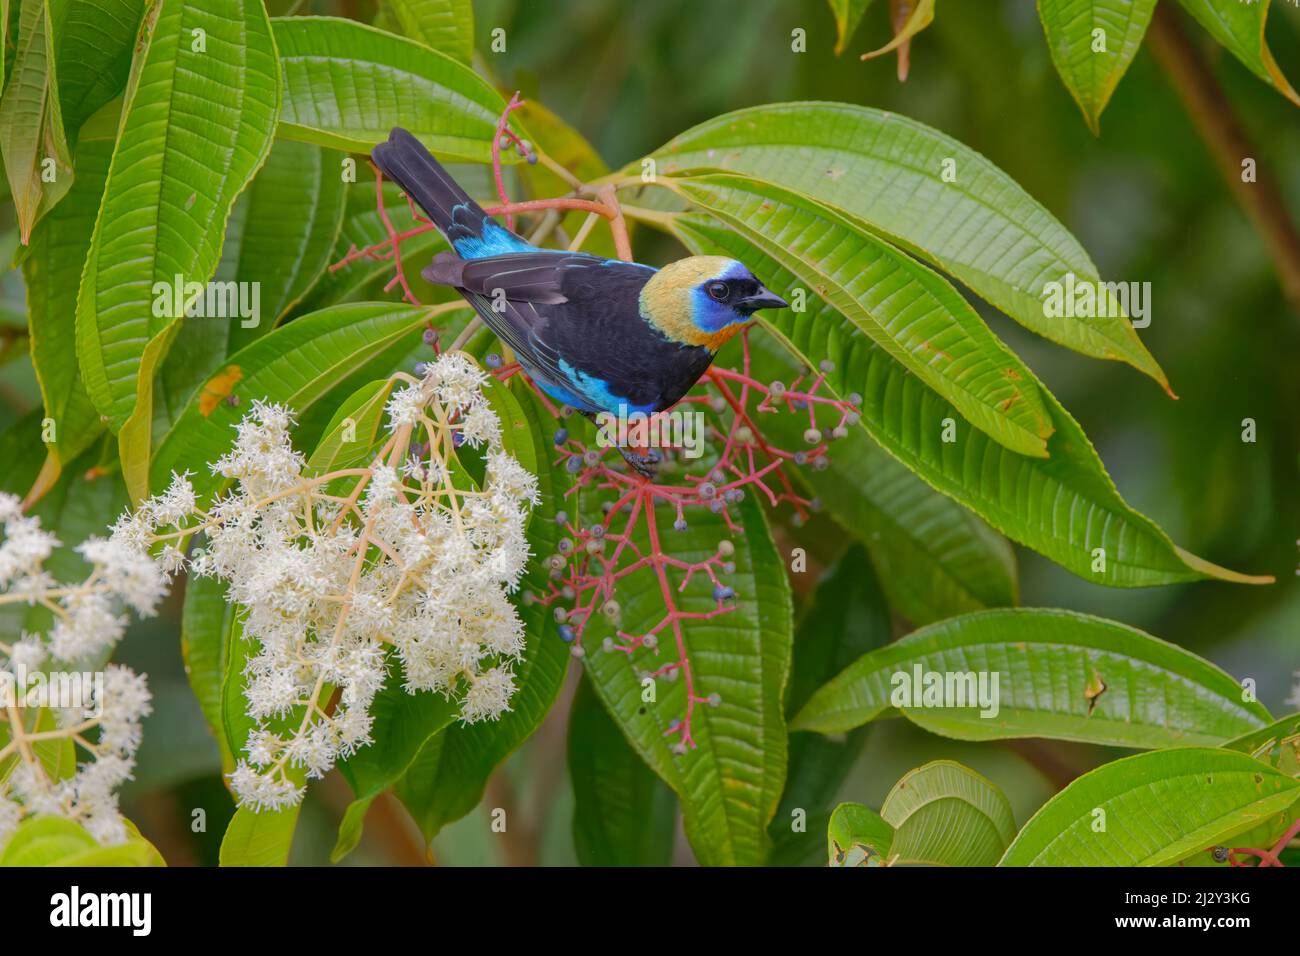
x=762 y=299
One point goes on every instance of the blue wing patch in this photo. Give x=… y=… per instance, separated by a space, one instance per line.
x=494 y=240
x=593 y=393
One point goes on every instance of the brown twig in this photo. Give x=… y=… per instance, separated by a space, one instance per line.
x=1218 y=125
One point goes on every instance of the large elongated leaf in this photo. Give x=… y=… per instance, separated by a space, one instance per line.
x=1091 y=64
x=448 y=779
x=1065 y=507
x=445 y=25
x=186 y=148
x=404 y=724
x=208 y=627
x=885 y=170
x=730 y=783
x=1240 y=28
x=1059 y=674
x=36 y=157
x=295 y=365
x=346 y=85
x=909 y=310
x=623 y=815
x=945 y=814
x=848 y=618
x=52 y=271
x=279 y=240
x=935 y=558
x=1152 y=809
x=94 y=40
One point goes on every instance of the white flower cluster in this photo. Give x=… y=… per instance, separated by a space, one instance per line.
x=332 y=574
x=102 y=724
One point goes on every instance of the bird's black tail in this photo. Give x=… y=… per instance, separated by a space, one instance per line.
x=405 y=161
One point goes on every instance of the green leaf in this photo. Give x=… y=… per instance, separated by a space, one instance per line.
x=445 y=25
x=944 y=814
x=168 y=198
x=346 y=85
x=623 y=815
x=1278 y=745
x=909 y=310
x=295 y=211
x=208 y=628
x=279 y=239
x=403 y=724
x=856 y=836
x=1240 y=28
x=32 y=142
x=847 y=14
x=935 y=559
x=295 y=365
x=1090 y=74
x=1060 y=674
x=1064 y=507
x=259 y=839
x=884 y=170
x=94 y=42
x=848 y=617
x=1157 y=808
x=730 y=783
x=51 y=273
x=57 y=841
x=448 y=778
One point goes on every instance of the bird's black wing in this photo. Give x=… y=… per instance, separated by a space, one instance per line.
x=524 y=298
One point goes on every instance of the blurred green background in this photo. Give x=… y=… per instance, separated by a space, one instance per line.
x=1148 y=204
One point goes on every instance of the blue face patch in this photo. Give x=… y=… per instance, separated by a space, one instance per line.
x=710 y=315
x=495 y=240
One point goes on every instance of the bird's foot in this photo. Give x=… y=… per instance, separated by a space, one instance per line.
x=644 y=461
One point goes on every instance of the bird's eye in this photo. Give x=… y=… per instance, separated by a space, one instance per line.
x=719 y=291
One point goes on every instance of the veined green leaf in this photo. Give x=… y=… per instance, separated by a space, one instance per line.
x=447 y=780
x=58 y=841
x=1092 y=43
x=36 y=157
x=346 y=85
x=886 y=171
x=295 y=365
x=1240 y=28
x=909 y=310
x=404 y=724
x=1152 y=809
x=208 y=626
x=1065 y=507
x=856 y=836
x=1278 y=745
x=848 y=617
x=445 y=25
x=295 y=211
x=259 y=839
x=935 y=558
x=623 y=815
x=94 y=40
x=847 y=14
x=730 y=783
x=185 y=150
x=944 y=814
x=1059 y=674
x=52 y=271
x=279 y=239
